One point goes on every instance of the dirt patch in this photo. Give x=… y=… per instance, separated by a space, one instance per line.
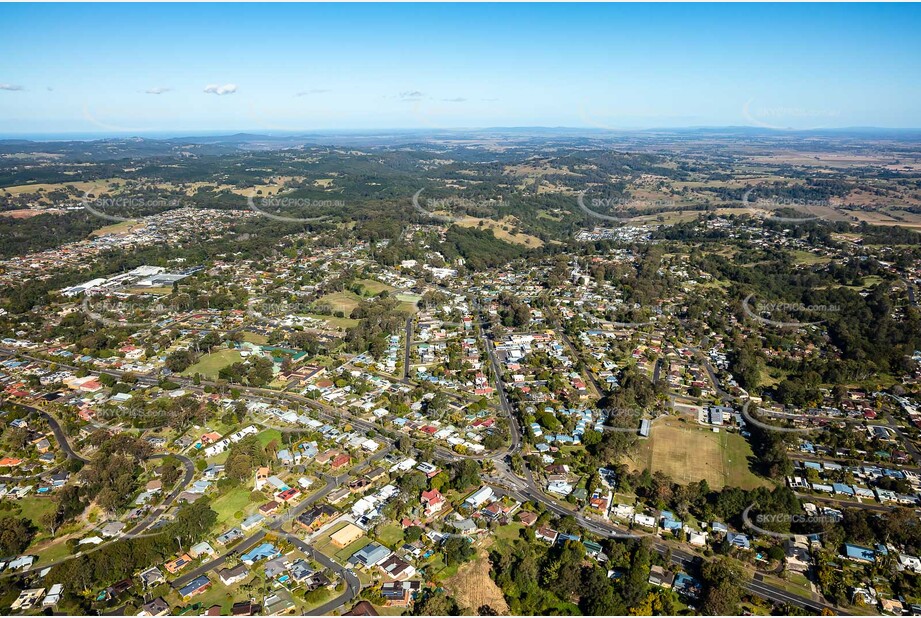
x=26 y=213
x=472 y=587
x=503 y=230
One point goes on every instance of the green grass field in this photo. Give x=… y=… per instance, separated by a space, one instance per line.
x=391 y=535
x=34 y=507
x=267 y=435
x=210 y=364
x=509 y=532
x=341 y=301
x=408 y=302
x=689 y=452
x=237 y=499
x=868 y=282
x=346 y=552
x=52 y=551
x=255 y=338
x=805 y=257
x=373 y=288
x=333 y=321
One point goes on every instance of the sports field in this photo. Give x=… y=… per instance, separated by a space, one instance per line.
x=341 y=301
x=373 y=287
x=688 y=452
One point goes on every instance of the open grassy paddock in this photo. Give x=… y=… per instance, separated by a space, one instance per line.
x=341 y=301
x=210 y=365
x=688 y=452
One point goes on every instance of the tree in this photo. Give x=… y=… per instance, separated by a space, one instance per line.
x=723 y=581
x=15 y=535
x=597 y=597
x=169 y=472
x=435 y=603
x=466 y=474
x=457 y=549
x=412 y=534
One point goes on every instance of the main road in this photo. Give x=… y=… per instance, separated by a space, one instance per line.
x=525 y=487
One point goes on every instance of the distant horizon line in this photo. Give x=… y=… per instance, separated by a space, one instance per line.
x=78 y=135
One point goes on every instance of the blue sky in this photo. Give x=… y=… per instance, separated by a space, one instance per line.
x=145 y=68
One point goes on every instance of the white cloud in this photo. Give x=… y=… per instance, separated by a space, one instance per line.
x=157 y=90
x=221 y=90
x=411 y=95
x=455 y=100
x=11 y=87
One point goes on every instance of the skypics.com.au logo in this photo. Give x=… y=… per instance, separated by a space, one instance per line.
x=624 y=207
x=440 y=209
x=757 y=310
x=771 y=203
x=775 y=117
x=272 y=207
x=155 y=310
x=120 y=209
x=126 y=209
x=766 y=523
x=750 y=419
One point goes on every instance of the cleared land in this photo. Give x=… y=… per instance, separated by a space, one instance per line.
x=235 y=500
x=408 y=302
x=473 y=588
x=256 y=338
x=82 y=186
x=373 y=288
x=688 y=452
x=211 y=364
x=117 y=229
x=334 y=322
x=503 y=230
x=341 y=301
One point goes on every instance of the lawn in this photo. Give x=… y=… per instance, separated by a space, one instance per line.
x=267 y=435
x=52 y=551
x=806 y=257
x=408 y=302
x=342 y=556
x=210 y=365
x=373 y=288
x=122 y=227
x=333 y=321
x=391 y=535
x=688 y=452
x=341 y=301
x=509 y=532
x=256 y=338
x=436 y=570
x=866 y=283
x=33 y=507
x=217 y=594
x=237 y=499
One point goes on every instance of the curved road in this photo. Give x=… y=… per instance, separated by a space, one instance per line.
x=524 y=487
x=72 y=453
